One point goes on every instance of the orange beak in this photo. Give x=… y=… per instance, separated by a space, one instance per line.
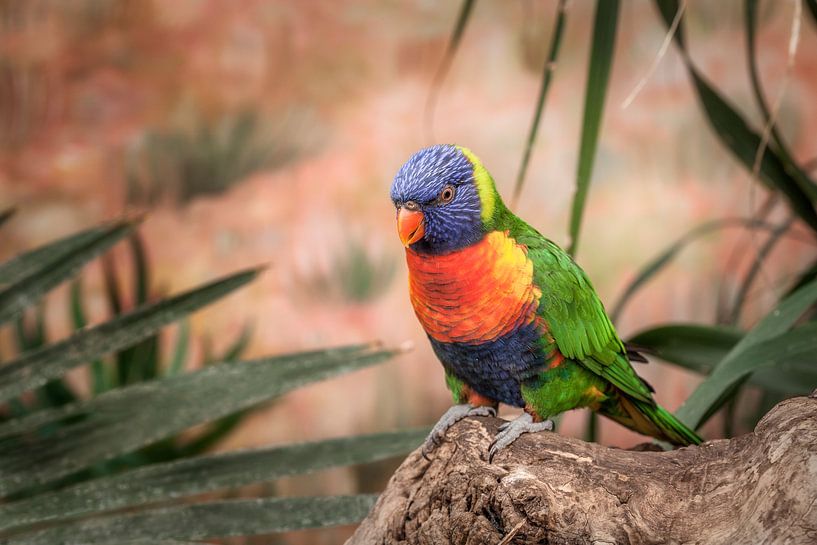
x=410 y=226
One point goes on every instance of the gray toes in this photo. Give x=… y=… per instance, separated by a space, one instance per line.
x=510 y=432
x=451 y=417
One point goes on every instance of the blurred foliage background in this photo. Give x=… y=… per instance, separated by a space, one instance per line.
x=257 y=132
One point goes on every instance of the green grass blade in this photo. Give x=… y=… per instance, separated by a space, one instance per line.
x=763 y=253
x=601 y=60
x=209 y=520
x=38 y=367
x=6 y=214
x=737 y=136
x=180 y=350
x=25 y=264
x=172 y=480
x=141 y=269
x=54 y=268
x=795 y=348
x=99 y=373
x=237 y=348
x=547 y=76
x=152 y=411
x=768 y=343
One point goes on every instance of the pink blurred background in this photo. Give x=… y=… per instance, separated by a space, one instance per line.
x=338 y=91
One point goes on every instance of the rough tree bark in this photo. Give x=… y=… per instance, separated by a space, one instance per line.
x=758 y=488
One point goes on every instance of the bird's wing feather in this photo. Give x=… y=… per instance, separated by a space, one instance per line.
x=575 y=315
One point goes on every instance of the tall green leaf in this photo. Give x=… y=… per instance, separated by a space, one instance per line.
x=38 y=367
x=162 y=482
x=547 y=76
x=769 y=343
x=736 y=134
x=605 y=24
x=208 y=520
x=45 y=268
x=157 y=409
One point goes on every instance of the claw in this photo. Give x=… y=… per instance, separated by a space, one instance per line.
x=510 y=432
x=451 y=417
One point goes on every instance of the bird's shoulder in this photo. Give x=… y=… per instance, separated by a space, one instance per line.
x=569 y=303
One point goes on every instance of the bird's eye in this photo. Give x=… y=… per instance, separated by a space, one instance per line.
x=447 y=194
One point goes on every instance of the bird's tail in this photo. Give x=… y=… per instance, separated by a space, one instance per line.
x=654 y=420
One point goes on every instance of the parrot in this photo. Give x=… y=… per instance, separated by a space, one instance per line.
x=510 y=315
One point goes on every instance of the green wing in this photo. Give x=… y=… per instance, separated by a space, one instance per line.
x=575 y=315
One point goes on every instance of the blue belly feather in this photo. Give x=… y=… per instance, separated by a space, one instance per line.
x=495 y=369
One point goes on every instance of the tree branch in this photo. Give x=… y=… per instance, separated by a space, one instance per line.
x=546 y=488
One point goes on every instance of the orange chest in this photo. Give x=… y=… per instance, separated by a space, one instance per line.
x=476 y=294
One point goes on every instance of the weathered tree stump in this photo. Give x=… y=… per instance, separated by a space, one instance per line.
x=546 y=488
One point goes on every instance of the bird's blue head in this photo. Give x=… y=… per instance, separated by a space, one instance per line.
x=445 y=200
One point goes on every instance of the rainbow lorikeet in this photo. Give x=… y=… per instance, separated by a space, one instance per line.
x=510 y=315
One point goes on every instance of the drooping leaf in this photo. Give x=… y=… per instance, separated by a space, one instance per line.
x=769 y=343
x=699 y=348
x=658 y=263
x=158 y=409
x=735 y=133
x=38 y=367
x=605 y=24
x=172 y=480
x=799 y=175
x=547 y=76
x=208 y=520
x=36 y=272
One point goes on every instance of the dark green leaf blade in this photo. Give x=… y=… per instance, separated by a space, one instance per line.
x=158 y=409
x=699 y=348
x=161 y=482
x=605 y=25
x=36 y=368
x=768 y=343
x=209 y=520
x=692 y=346
x=45 y=269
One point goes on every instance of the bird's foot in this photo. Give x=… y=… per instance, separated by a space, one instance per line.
x=451 y=417
x=510 y=432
